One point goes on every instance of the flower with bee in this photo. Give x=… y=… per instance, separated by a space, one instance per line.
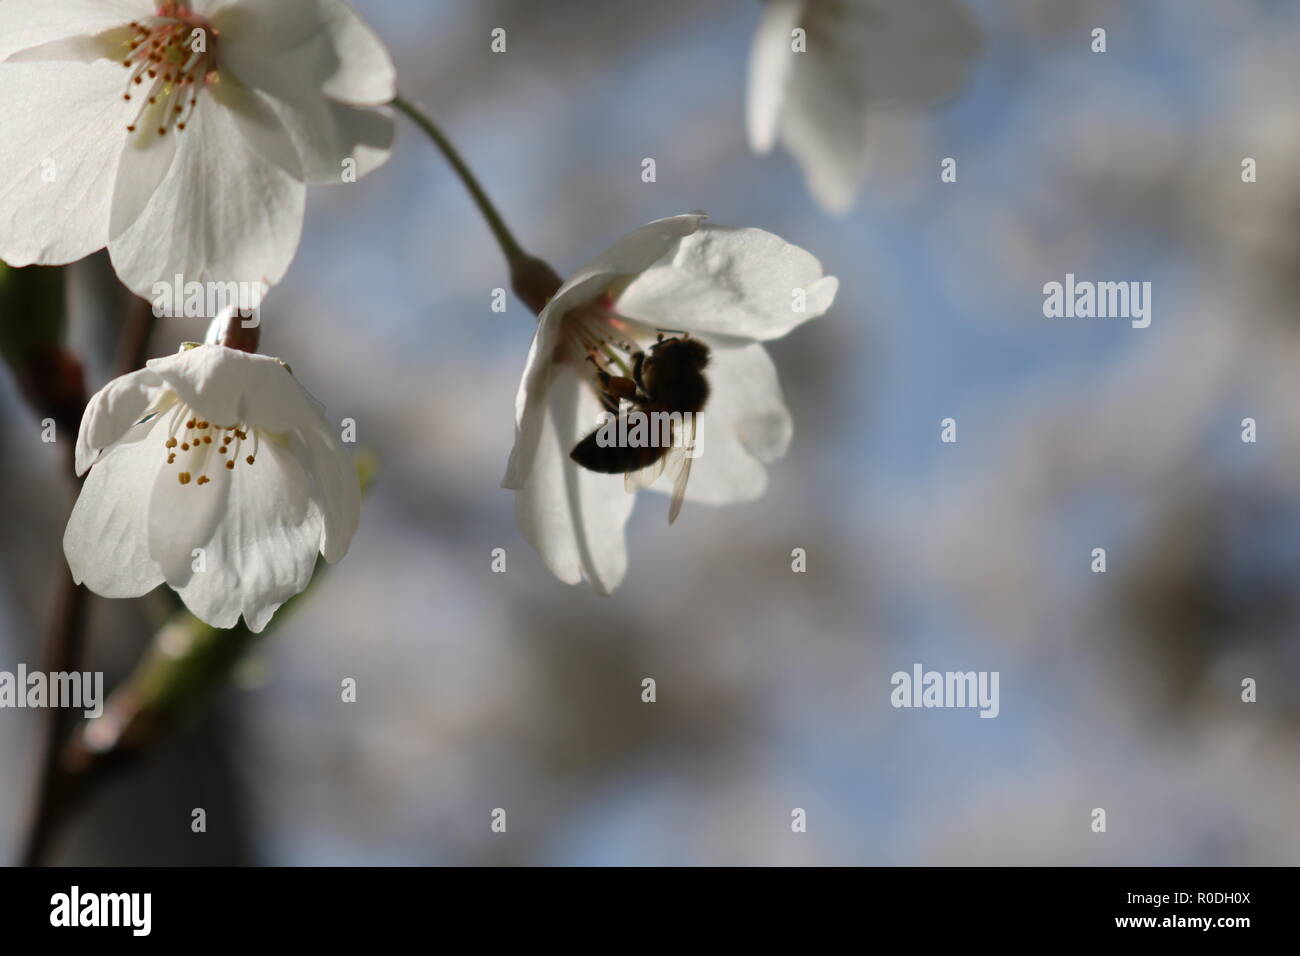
x=664 y=391
x=670 y=319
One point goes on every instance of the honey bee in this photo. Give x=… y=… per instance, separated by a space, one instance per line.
x=666 y=381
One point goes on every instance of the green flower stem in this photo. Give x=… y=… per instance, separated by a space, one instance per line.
x=505 y=238
x=533 y=280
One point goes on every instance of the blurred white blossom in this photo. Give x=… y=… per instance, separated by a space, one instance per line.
x=818 y=68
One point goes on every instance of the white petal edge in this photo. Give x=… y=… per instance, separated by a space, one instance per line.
x=259 y=125
x=28 y=23
x=770 y=60
x=145 y=161
x=337 y=490
x=322 y=69
x=863 y=55
x=229 y=386
x=825 y=129
x=61 y=133
x=327 y=46
x=224 y=213
x=744 y=427
x=112 y=411
x=106 y=542
x=745 y=283
x=574 y=518
x=258 y=530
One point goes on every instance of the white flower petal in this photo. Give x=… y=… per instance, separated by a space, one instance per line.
x=531 y=401
x=636 y=251
x=770 y=60
x=229 y=386
x=312 y=76
x=256 y=526
x=365 y=75
x=112 y=411
x=143 y=165
x=744 y=425
x=324 y=133
x=736 y=282
x=824 y=127
x=182 y=517
x=62 y=129
x=282 y=45
x=28 y=23
x=750 y=404
x=628 y=256
x=259 y=125
x=367 y=133
x=860 y=55
x=574 y=517
x=224 y=213
x=106 y=542
x=211 y=8
x=336 y=489
x=82 y=48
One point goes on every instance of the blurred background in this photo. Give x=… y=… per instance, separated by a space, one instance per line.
x=479 y=690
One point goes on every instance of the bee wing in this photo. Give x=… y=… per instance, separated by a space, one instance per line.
x=635 y=481
x=682 y=456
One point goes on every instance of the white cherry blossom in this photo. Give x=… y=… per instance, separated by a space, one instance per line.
x=815 y=91
x=181 y=135
x=214 y=471
x=731 y=288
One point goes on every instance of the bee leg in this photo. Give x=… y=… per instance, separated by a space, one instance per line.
x=614 y=388
x=638 y=371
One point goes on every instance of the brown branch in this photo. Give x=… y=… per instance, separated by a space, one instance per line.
x=187 y=662
x=51 y=378
x=137 y=331
x=176 y=674
x=64 y=646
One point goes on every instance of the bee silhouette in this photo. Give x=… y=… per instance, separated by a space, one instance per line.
x=666 y=381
